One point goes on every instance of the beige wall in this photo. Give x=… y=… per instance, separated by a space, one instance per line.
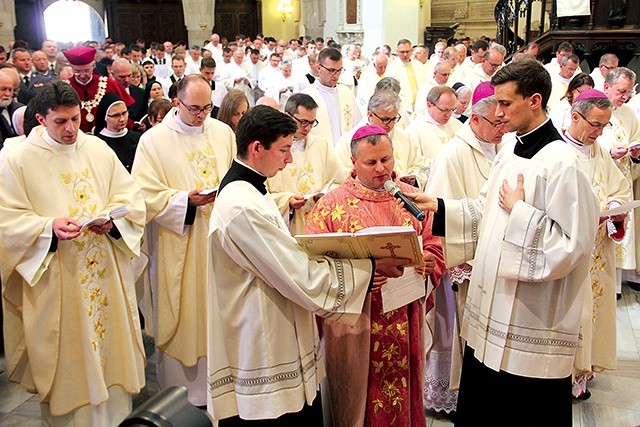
x=475 y=17
x=272 y=24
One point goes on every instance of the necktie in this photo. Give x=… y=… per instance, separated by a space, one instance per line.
x=51 y=67
x=26 y=80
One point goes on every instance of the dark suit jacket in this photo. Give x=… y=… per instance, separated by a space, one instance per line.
x=36 y=81
x=138 y=109
x=6 y=129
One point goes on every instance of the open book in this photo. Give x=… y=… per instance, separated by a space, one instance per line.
x=372 y=242
x=116 y=213
x=322 y=192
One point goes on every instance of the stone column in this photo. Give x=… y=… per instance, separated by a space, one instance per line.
x=312 y=17
x=7 y=22
x=199 y=19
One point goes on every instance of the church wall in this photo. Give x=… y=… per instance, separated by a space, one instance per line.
x=475 y=17
x=272 y=24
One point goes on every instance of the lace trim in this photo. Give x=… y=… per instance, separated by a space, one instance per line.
x=436 y=394
x=460 y=273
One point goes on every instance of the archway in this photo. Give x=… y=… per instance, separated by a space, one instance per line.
x=73 y=21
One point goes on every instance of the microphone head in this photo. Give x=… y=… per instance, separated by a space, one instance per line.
x=391 y=187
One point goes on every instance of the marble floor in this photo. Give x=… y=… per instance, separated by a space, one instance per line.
x=614 y=402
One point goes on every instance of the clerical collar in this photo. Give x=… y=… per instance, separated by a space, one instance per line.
x=584 y=149
x=298 y=145
x=240 y=171
x=65 y=148
x=325 y=89
x=110 y=134
x=84 y=84
x=530 y=143
x=381 y=189
x=189 y=130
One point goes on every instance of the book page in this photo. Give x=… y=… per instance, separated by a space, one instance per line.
x=627 y=207
x=323 y=191
x=402 y=290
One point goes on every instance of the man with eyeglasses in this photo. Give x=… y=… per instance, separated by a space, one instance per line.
x=178 y=165
x=91 y=87
x=560 y=81
x=458 y=171
x=607 y=62
x=493 y=60
x=314 y=164
x=384 y=110
x=337 y=107
x=435 y=127
x=618 y=139
x=590 y=114
x=441 y=75
x=564 y=49
x=409 y=72
x=530 y=233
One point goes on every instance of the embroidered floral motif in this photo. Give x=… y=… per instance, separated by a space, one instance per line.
x=206 y=165
x=91 y=256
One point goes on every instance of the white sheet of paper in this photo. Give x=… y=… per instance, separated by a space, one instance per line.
x=323 y=191
x=627 y=207
x=402 y=290
x=208 y=191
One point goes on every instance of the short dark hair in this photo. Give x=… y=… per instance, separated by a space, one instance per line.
x=135 y=47
x=159 y=106
x=125 y=51
x=254 y=52
x=55 y=94
x=299 y=99
x=480 y=45
x=565 y=47
x=208 y=62
x=264 y=124
x=329 y=52
x=529 y=76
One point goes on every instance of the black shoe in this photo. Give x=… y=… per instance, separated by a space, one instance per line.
x=634 y=286
x=618 y=297
x=584 y=396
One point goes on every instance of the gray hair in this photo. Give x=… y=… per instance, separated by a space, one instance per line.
x=615 y=74
x=388 y=83
x=384 y=100
x=484 y=106
x=571 y=57
x=584 y=106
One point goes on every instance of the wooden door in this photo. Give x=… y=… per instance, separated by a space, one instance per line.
x=238 y=17
x=150 y=20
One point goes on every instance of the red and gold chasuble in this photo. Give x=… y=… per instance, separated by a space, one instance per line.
x=375 y=368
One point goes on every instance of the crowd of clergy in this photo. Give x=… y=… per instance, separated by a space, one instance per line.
x=171 y=123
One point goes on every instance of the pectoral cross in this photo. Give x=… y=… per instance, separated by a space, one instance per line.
x=390 y=247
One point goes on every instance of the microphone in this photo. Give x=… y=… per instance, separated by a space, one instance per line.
x=394 y=190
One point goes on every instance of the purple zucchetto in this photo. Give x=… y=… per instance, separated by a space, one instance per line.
x=589 y=94
x=482 y=91
x=368 y=130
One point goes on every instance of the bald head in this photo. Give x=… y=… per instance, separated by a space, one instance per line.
x=121 y=70
x=380 y=62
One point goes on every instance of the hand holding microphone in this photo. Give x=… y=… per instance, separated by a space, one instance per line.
x=411 y=207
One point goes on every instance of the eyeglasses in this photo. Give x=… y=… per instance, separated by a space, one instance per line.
x=598 y=126
x=118 y=115
x=306 y=123
x=445 y=110
x=388 y=121
x=492 y=64
x=607 y=67
x=495 y=125
x=194 y=110
x=333 y=71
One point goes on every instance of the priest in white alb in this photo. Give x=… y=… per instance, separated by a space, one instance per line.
x=530 y=232
x=178 y=165
x=72 y=333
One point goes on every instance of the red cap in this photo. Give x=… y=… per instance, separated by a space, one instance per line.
x=590 y=94
x=80 y=55
x=482 y=91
